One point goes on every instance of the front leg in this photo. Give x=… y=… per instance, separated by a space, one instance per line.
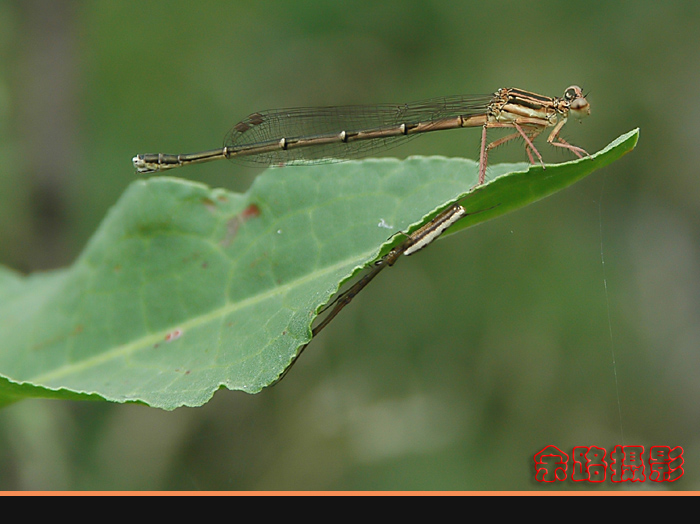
x=557 y=141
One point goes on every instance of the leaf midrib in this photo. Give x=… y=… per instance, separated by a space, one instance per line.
x=129 y=348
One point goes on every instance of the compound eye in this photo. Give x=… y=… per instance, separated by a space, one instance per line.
x=577 y=102
x=572 y=93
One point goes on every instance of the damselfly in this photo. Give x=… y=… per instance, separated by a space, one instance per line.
x=332 y=134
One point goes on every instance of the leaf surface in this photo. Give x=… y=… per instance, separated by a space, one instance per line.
x=185 y=289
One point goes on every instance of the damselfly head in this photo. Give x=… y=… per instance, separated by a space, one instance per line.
x=578 y=105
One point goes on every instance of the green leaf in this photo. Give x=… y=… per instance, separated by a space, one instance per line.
x=185 y=289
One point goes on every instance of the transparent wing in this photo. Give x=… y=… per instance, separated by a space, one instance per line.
x=269 y=127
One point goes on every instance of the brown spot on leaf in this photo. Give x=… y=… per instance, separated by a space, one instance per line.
x=234 y=223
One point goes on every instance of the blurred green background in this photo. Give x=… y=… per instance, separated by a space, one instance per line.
x=459 y=364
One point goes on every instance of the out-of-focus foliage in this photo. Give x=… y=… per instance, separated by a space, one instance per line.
x=524 y=353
